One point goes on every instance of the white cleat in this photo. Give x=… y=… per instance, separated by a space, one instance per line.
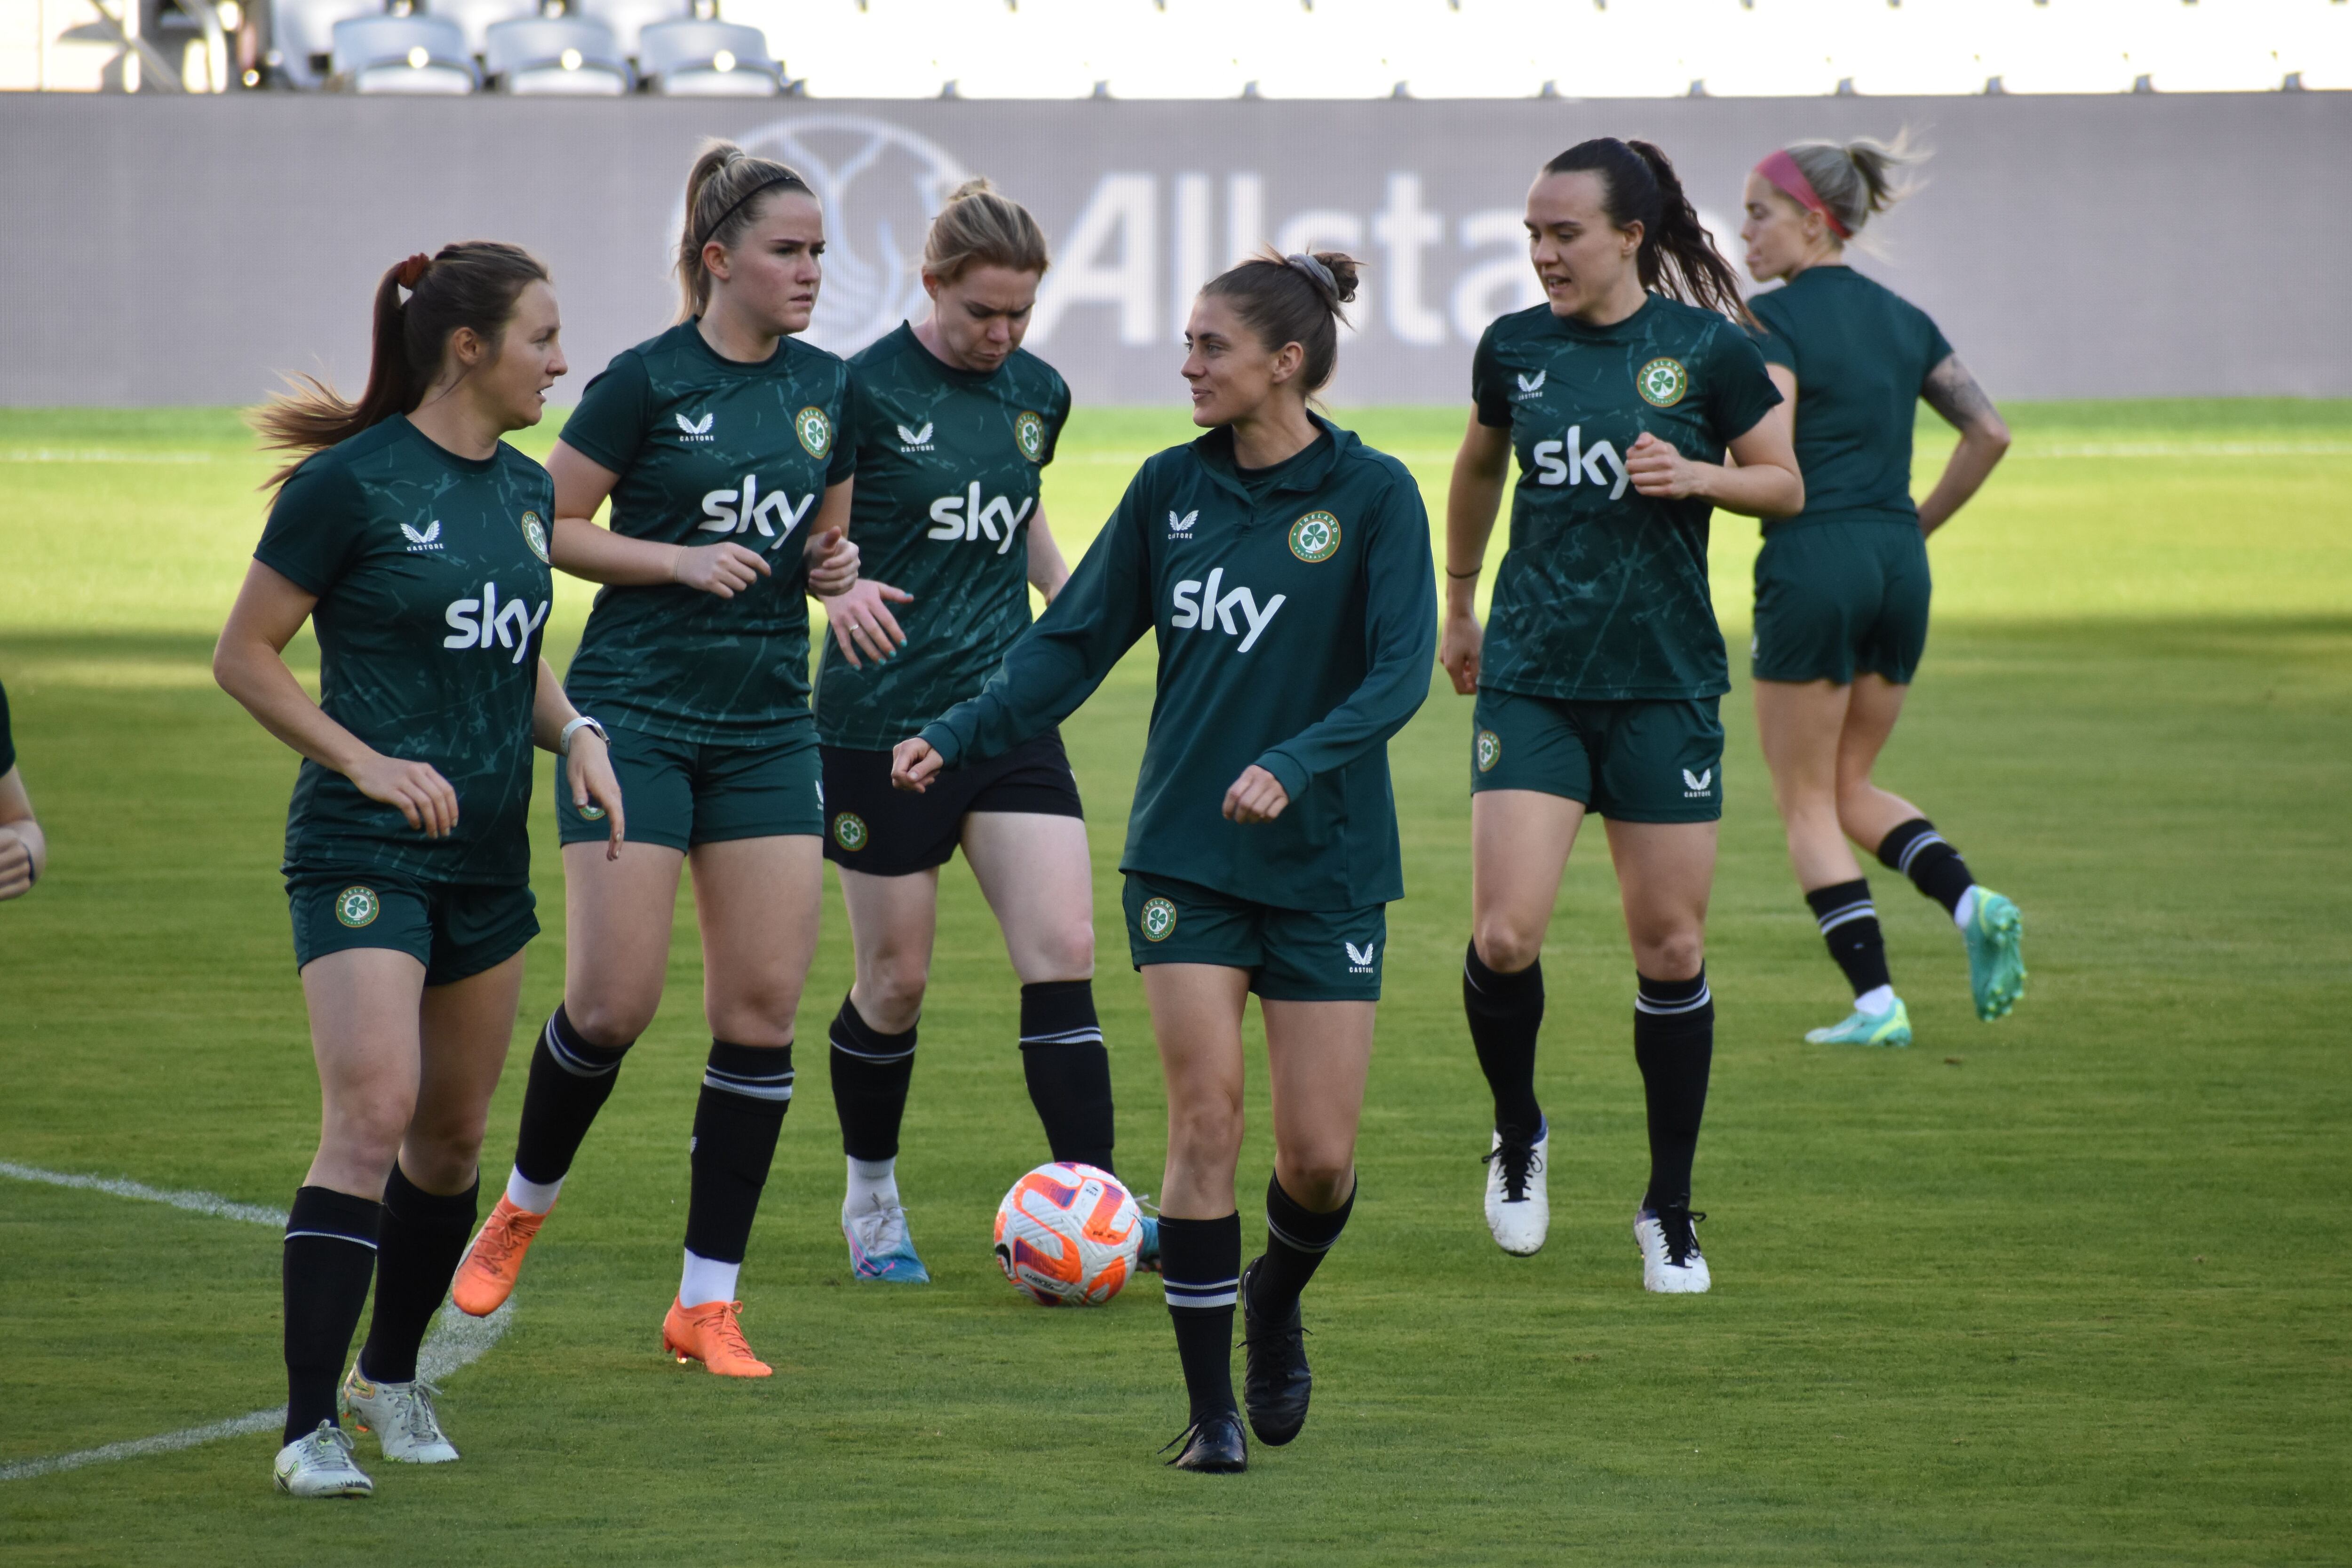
x=320 y=1465
x=1518 y=1205
x=1672 y=1264
x=400 y=1414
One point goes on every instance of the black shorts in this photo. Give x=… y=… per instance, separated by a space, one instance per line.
x=884 y=832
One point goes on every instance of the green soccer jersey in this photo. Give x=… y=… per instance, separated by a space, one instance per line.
x=1602 y=595
x=1860 y=352
x=431 y=575
x=709 y=450
x=949 y=464
x=1296 y=613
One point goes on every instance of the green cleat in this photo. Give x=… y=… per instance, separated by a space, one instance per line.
x=1996 y=962
x=1892 y=1028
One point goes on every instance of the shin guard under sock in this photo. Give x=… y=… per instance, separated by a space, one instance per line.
x=1069 y=1069
x=422 y=1241
x=870 y=1074
x=746 y=1089
x=1201 y=1261
x=1935 y=867
x=1673 y=1041
x=1296 y=1237
x=1504 y=1012
x=1849 y=923
x=571 y=1079
x=330 y=1240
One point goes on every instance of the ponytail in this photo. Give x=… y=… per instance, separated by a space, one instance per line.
x=474 y=283
x=1293 y=300
x=1678 y=258
x=1858 y=178
x=725 y=192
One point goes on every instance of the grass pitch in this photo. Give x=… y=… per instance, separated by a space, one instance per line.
x=2067 y=1288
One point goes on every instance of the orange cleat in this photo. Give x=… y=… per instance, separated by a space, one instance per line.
x=710 y=1334
x=488 y=1275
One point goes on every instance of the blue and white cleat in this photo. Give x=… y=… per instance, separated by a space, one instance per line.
x=880 y=1248
x=1995 y=933
x=1147 y=1251
x=1892 y=1028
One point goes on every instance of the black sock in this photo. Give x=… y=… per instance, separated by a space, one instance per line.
x=1201 y=1263
x=870 y=1074
x=329 y=1254
x=421 y=1243
x=1849 y=923
x=1506 y=1011
x=571 y=1079
x=1935 y=867
x=1296 y=1237
x=1673 y=1041
x=1069 y=1069
x=746 y=1089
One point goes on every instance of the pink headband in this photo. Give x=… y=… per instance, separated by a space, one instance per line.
x=1781 y=171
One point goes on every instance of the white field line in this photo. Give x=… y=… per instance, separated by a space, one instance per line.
x=97 y=454
x=456 y=1342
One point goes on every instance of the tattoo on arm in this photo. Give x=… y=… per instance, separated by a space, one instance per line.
x=1954 y=393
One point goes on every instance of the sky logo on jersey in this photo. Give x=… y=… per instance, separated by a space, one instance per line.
x=1584 y=463
x=1697 y=786
x=1661 y=382
x=1359 y=958
x=429 y=540
x=815 y=430
x=964 y=517
x=1531 y=384
x=915 y=440
x=1178 y=527
x=740 y=511
x=1198 y=604
x=695 y=429
x=485 y=623
x=1029 y=435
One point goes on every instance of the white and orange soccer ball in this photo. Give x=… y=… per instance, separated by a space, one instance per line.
x=1066 y=1235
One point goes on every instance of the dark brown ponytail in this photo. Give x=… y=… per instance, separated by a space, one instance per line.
x=1678 y=258
x=474 y=283
x=1293 y=300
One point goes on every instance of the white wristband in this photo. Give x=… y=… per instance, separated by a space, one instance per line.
x=563 y=742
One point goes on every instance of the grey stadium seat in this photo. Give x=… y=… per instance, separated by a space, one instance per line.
x=475 y=18
x=302 y=34
x=425 y=55
x=557 y=57
x=627 y=18
x=707 y=59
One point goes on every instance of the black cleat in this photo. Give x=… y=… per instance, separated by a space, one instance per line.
x=1275 y=1384
x=1213 y=1446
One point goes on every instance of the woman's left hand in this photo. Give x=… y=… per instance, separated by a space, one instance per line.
x=1658 y=469
x=588 y=769
x=862 y=621
x=1256 y=796
x=832 y=563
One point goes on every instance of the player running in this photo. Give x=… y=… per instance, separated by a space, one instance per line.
x=1598 y=680
x=415 y=541
x=954 y=424
x=716 y=444
x=1841 y=588
x=1283 y=567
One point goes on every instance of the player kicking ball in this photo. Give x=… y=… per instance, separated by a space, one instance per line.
x=1283 y=568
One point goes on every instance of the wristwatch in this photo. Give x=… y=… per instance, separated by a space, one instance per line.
x=563 y=744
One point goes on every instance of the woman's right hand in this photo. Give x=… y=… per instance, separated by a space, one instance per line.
x=913 y=765
x=719 y=569
x=1458 y=649
x=423 y=795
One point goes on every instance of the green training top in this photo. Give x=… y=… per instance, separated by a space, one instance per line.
x=709 y=450
x=1861 y=353
x=949 y=464
x=431 y=575
x=1603 y=595
x=1297 y=618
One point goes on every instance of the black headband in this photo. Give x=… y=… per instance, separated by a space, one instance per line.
x=786 y=178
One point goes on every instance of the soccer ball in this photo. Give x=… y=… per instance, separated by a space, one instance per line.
x=1066 y=1235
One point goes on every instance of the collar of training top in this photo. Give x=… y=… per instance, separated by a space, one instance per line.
x=1214 y=451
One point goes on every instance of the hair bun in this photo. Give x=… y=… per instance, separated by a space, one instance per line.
x=977 y=185
x=1342 y=269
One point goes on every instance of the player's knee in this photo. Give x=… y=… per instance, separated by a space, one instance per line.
x=1068 y=954
x=368 y=1132
x=890 y=991
x=1672 y=955
x=1207 y=1130
x=609 y=1021
x=1318 y=1177
x=1506 y=945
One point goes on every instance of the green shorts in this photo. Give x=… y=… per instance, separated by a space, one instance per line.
x=1651 y=760
x=1838 y=599
x=1292 y=956
x=453 y=930
x=684 y=792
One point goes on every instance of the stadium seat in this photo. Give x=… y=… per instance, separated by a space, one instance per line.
x=628 y=18
x=421 y=55
x=475 y=18
x=707 y=59
x=302 y=35
x=557 y=57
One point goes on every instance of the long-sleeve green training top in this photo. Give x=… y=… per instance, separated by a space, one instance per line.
x=1295 y=609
